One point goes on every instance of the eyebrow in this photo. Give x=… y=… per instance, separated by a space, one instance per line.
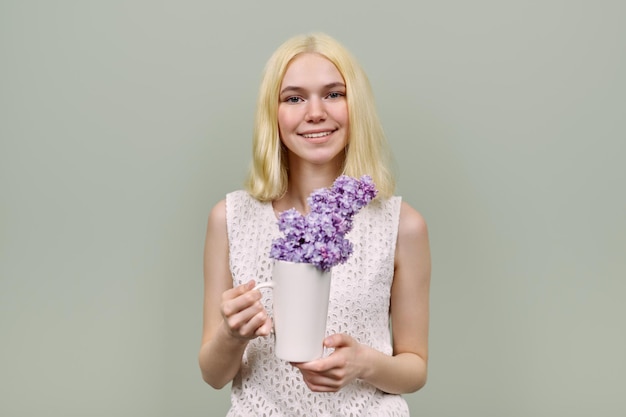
x=300 y=89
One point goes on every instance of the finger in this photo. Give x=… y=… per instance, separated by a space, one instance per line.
x=240 y=318
x=235 y=292
x=320 y=383
x=248 y=328
x=317 y=366
x=265 y=328
x=251 y=328
x=337 y=340
x=239 y=300
x=320 y=388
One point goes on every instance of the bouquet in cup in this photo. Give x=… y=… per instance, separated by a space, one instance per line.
x=319 y=237
x=310 y=246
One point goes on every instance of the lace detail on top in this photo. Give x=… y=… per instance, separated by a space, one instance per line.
x=359 y=306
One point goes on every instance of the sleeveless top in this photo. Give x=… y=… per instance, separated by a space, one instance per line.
x=359 y=306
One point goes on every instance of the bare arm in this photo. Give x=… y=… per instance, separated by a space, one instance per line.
x=232 y=316
x=406 y=370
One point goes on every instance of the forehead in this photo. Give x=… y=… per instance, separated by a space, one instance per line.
x=310 y=69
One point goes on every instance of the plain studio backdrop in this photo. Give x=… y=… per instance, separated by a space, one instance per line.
x=123 y=122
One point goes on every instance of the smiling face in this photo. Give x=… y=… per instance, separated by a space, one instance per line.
x=313 y=111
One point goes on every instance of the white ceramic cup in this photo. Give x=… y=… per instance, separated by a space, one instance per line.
x=300 y=304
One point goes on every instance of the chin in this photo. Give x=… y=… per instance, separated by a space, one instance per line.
x=328 y=159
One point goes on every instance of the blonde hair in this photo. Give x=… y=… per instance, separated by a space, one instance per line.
x=367 y=152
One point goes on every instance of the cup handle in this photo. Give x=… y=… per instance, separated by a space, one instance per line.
x=268 y=284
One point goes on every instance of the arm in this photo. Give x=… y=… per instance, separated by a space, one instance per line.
x=406 y=370
x=232 y=316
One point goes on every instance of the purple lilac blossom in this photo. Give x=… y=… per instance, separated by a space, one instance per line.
x=319 y=237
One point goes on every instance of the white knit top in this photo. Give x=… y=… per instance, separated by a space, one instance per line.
x=359 y=306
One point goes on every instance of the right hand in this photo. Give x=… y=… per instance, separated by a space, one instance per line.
x=244 y=315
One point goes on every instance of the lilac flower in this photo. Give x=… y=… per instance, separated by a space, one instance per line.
x=319 y=237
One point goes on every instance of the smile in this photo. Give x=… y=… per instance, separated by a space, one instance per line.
x=316 y=134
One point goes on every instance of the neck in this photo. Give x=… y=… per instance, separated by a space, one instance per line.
x=303 y=180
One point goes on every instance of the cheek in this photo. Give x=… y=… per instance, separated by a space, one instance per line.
x=342 y=114
x=285 y=120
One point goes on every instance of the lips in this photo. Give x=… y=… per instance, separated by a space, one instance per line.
x=316 y=135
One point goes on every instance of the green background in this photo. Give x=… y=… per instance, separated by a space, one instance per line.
x=123 y=122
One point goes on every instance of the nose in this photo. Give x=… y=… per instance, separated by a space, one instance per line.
x=315 y=110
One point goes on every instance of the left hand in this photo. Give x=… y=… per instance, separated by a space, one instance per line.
x=334 y=372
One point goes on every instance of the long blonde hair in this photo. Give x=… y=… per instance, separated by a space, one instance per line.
x=367 y=152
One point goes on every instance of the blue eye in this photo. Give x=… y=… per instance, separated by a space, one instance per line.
x=335 y=94
x=293 y=99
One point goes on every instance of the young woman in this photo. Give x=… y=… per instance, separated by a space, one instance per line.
x=315 y=121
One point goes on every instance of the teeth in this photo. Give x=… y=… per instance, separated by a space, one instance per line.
x=317 y=135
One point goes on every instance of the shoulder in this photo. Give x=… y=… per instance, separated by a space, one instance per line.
x=217 y=215
x=412 y=224
x=413 y=246
x=235 y=201
x=234 y=197
x=241 y=198
x=240 y=210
